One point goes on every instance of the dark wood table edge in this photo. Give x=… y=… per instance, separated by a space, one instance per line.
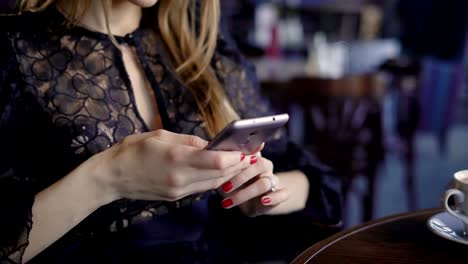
x=318 y=247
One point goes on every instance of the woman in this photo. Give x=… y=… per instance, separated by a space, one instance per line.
x=104 y=109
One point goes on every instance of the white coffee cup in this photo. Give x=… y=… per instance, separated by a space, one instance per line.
x=460 y=193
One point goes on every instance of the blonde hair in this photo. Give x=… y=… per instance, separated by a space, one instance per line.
x=191 y=41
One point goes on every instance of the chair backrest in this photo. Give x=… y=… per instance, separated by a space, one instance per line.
x=342 y=120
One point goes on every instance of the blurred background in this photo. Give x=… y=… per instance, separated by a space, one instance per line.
x=377 y=89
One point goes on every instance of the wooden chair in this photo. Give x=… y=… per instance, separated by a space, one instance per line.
x=342 y=125
x=405 y=82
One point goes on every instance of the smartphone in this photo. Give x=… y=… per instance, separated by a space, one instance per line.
x=246 y=135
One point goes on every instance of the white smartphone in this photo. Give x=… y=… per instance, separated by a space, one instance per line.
x=246 y=135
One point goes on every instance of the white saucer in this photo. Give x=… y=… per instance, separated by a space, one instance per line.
x=447 y=226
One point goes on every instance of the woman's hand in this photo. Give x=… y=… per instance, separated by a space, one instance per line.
x=251 y=189
x=162 y=165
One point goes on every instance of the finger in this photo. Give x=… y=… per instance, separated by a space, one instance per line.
x=259 y=148
x=200 y=175
x=217 y=160
x=183 y=139
x=187 y=175
x=267 y=204
x=275 y=198
x=210 y=184
x=170 y=137
x=197 y=158
x=258 y=166
x=261 y=186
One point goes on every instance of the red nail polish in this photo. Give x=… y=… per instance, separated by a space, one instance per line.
x=242 y=156
x=226 y=203
x=253 y=160
x=227 y=186
x=266 y=200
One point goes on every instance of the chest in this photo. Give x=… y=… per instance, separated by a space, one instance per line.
x=96 y=94
x=145 y=99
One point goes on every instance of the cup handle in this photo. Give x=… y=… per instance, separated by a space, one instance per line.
x=459 y=198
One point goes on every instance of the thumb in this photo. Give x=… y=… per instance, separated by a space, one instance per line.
x=259 y=148
x=181 y=139
x=184 y=139
x=193 y=141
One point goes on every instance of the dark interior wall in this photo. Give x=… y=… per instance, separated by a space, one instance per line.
x=434 y=27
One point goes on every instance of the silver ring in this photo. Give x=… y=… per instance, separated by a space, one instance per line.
x=272 y=182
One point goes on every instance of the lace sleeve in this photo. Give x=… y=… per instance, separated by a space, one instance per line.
x=16 y=197
x=242 y=87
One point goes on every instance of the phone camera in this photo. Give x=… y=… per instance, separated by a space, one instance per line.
x=274 y=119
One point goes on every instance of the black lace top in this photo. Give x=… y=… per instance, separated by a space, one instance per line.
x=65 y=96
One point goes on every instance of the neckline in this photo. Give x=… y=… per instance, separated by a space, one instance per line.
x=83 y=30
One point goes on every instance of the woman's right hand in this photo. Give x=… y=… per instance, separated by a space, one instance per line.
x=161 y=165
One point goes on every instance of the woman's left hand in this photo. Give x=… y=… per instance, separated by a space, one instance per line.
x=256 y=190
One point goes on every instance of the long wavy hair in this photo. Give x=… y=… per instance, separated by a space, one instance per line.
x=191 y=42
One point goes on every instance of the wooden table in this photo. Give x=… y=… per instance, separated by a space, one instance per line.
x=403 y=238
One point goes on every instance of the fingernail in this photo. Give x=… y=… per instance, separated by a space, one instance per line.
x=227 y=186
x=226 y=203
x=266 y=200
x=253 y=160
x=242 y=156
